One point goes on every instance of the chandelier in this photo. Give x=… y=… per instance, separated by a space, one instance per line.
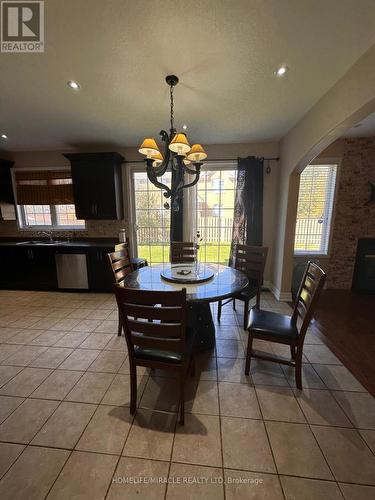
x=178 y=156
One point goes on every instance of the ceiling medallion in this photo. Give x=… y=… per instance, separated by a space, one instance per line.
x=178 y=157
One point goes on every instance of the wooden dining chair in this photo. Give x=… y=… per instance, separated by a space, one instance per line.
x=250 y=260
x=183 y=251
x=121 y=266
x=282 y=329
x=156 y=335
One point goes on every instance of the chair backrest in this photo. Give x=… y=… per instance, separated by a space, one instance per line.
x=120 y=264
x=153 y=320
x=251 y=261
x=308 y=294
x=183 y=251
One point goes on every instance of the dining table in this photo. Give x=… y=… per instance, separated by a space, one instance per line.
x=204 y=284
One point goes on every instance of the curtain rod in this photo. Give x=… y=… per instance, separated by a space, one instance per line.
x=210 y=160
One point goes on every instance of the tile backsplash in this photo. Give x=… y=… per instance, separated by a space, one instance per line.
x=94 y=229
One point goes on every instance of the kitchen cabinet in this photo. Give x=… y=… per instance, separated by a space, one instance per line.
x=6 y=188
x=97 y=185
x=42 y=269
x=99 y=270
x=33 y=266
x=8 y=266
x=25 y=268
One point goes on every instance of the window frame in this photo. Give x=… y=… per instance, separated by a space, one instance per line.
x=54 y=226
x=20 y=210
x=214 y=167
x=130 y=199
x=303 y=253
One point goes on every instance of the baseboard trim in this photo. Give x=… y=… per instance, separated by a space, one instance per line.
x=266 y=285
x=281 y=296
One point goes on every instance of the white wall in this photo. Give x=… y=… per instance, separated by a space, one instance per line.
x=350 y=100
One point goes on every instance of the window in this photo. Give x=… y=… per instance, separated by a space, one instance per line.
x=216 y=190
x=51 y=216
x=314 y=213
x=45 y=199
x=217 y=184
x=151 y=218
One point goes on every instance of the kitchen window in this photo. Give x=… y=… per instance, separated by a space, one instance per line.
x=51 y=216
x=45 y=199
x=314 y=213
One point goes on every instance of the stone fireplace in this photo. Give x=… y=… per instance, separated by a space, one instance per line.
x=354 y=218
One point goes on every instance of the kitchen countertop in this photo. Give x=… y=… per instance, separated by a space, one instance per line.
x=86 y=243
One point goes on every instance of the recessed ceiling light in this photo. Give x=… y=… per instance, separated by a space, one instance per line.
x=74 y=85
x=281 y=71
x=4 y=137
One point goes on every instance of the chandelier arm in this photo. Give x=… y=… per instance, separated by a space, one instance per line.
x=189 y=170
x=151 y=174
x=197 y=175
x=162 y=168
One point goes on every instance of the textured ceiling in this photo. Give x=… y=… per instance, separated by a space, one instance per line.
x=224 y=51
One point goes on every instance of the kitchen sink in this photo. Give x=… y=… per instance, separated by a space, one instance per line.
x=53 y=242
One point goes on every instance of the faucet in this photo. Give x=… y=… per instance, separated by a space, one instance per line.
x=47 y=233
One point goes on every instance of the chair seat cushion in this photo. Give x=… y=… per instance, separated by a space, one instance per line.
x=273 y=324
x=250 y=291
x=157 y=355
x=162 y=355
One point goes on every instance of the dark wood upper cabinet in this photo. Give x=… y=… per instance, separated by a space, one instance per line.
x=97 y=185
x=6 y=188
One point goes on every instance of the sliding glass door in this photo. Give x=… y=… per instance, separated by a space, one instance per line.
x=151 y=221
x=214 y=212
x=210 y=212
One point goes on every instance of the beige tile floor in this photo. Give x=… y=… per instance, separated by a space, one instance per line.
x=66 y=431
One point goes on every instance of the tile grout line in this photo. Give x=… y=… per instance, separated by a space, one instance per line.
x=316 y=440
x=80 y=436
x=127 y=435
x=220 y=428
x=269 y=444
x=171 y=454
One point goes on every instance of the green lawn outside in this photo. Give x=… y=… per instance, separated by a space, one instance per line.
x=207 y=253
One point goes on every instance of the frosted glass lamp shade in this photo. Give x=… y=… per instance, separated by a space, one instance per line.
x=149 y=148
x=197 y=153
x=179 y=144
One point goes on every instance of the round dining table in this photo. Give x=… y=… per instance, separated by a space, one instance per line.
x=225 y=282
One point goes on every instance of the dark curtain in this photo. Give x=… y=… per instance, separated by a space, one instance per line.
x=248 y=205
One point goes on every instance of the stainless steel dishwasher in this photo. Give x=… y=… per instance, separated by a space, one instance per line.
x=72 y=271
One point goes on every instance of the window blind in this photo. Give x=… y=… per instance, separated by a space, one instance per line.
x=314 y=213
x=44 y=187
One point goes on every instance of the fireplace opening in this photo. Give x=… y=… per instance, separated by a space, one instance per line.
x=364 y=270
